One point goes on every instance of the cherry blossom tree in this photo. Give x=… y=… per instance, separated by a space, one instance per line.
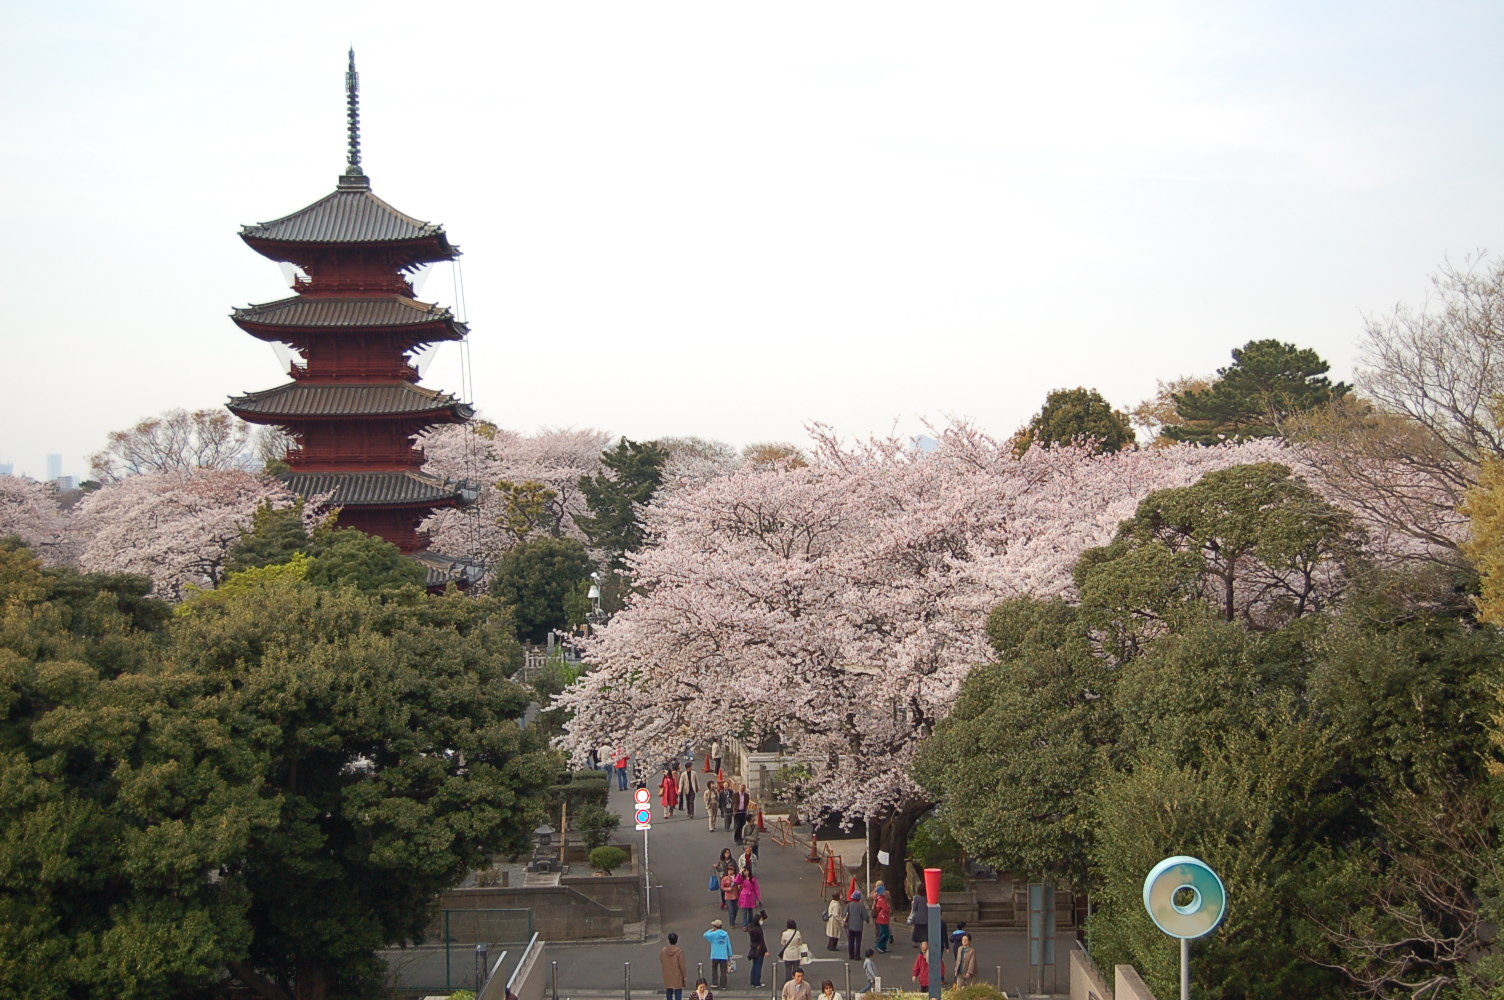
x=175 y=527
x=840 y=604
x=29 y=510
x=176 y=441
x=554 y=458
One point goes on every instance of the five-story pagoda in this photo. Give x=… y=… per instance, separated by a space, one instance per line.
x=354 y=406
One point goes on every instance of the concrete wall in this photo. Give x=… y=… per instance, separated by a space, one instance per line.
x=560 y=913
x=615 y=892
x=1086 y=979
x=1128 y=985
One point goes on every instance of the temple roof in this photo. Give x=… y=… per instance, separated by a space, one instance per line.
x=323 y=399
x=359 y=489
x=304 y=311
x=350 y=215
x=444 y=569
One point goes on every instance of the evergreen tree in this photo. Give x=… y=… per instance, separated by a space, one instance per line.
x=538 y=577
x=615 y=498
x=1077 y=416
x=345 y=557
x=1267 y=382
x=276 y=533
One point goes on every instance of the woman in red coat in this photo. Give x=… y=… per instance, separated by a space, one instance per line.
x=668 y=793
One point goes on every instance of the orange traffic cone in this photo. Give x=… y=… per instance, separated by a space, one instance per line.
x=831 y=878
x=708 y=768
x=761 y=826
x=852 y=890
x=814 y=848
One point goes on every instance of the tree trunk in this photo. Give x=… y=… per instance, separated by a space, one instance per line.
x=890 y=833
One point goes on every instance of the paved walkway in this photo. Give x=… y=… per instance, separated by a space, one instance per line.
x=681 y=853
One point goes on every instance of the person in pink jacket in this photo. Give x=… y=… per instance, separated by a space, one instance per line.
x=749 y=898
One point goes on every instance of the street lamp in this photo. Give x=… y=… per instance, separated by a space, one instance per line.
x=595 y=596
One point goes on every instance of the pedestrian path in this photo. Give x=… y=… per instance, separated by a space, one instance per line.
x=681 y=853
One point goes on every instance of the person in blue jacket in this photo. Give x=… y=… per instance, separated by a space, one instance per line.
x=720 y=953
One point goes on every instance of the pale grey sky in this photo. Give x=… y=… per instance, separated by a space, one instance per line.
x=729 y=219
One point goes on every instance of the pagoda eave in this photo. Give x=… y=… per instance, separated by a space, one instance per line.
x=412 y=336
x=409 y=254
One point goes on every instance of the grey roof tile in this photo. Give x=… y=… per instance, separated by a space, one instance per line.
x=343 y=399
x=356 y=216
x=374 y=488
x=305 y=311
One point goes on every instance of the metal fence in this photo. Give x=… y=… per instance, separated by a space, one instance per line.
x=471 y=942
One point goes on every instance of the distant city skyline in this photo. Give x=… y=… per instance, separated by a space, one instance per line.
x=725 y=221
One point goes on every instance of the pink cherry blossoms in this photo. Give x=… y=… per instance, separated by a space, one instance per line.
x=557 y=458
x=176 y=527
x=841 y=605
x=29 y=510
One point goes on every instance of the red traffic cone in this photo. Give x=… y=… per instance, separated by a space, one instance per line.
x=761 y=826
x=814 y=848
x=708 y=768
x=831 y=878
x=852 y=890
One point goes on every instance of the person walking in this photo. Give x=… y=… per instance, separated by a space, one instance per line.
x=621 y=769
x=712 y=800
x=796 y=988
x=743 y=799
x=606 y=754
x=727 y=803
x=882 y=917
x=953 y=941
x=724 y=864
x=791 y=951
x=835 y=922
x=922 y=968
x=966 y=962
x=757 y=947
x=828 y=991
x=749 y=896
x=731 y=894
x=720 y=953
x=668 y=793
x=919 y=917
x=702 y=990
x=869 y=969
x=857 y=916
x=689 y=790
x=675 y=968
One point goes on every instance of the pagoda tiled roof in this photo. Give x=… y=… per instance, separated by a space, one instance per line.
x=360 y=489
x=349 y=216
x=342 y=399
x=305 y=311
x=443 y=570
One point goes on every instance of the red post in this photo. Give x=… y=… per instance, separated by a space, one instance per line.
x=932 y=885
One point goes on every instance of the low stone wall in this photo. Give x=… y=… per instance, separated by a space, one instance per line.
x=1086 y=979
x=560 y=913
x=615 y=892
x=1128 y=986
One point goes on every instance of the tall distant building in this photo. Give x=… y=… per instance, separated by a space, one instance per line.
x=353 y=405
x=54 y=466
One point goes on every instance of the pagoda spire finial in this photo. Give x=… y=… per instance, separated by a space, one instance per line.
x=353 y=177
